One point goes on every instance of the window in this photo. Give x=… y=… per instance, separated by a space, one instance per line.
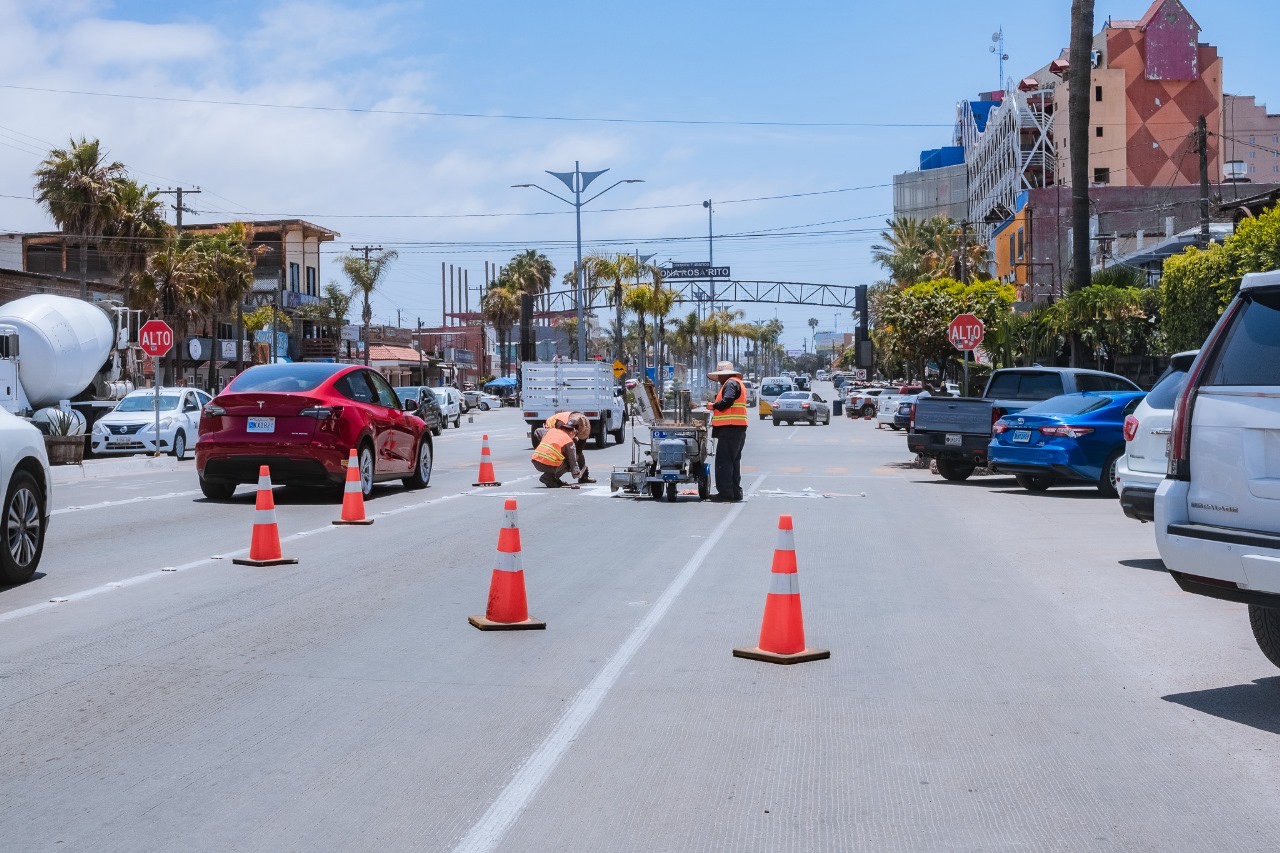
x=354 y=387
x=311 y=281
x=1011 y=249
x=382 y=388
x=226 y=332
x=1022 y=245
x=1097 y=94
x=1068 y=404
x=1253 y=155
x=1102 y=175
x=191 y=405
x=1167 y=390
x=294 y=273
x=1250 y=353
x=1251 y=140
x=1024 y=386
x=1097 y=131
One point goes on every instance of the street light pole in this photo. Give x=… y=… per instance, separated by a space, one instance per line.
x=711 y=262
x=577 y=181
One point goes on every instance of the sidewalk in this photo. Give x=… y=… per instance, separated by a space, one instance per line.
x=93 y=469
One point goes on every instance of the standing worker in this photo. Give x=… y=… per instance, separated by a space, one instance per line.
x=555 y=455
x=729 y=421
x=577 y=424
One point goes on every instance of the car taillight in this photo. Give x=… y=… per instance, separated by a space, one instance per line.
x=997 y=428
x=213 y=410
x=1180 y=433
x=804 y=405
x=1130 y=428
x=1066 y=431
x=911 y=418
x=996 y=414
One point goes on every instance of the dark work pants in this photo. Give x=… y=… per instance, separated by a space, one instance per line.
x=729 y=443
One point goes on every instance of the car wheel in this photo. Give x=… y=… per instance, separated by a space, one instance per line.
x=1034 y=482
x=777 y=422
x=422 y=470
x=436 y=430
x=868 y=411
x=179 y=445
x=953 y=471
x=457 y=422
x=1265 y=622
x=365 y=461
x=216 y=491
x=484 y=407
x=23 y=529
x=1108 y=478
x=894 y=427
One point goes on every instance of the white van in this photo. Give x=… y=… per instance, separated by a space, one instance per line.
x=771 y=388
x=450 y=400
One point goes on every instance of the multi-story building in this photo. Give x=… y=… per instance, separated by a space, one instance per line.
x=939 y=188
x=1251 y=138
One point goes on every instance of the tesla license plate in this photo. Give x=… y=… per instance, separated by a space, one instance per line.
x=953 y=440
x=262 y=425
x=1022 y=436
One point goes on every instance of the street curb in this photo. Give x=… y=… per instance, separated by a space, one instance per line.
x=96 y=469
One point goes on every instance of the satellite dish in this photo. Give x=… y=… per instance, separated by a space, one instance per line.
x=995 y=36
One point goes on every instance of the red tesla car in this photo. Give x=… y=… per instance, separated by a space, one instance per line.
x=303 y=420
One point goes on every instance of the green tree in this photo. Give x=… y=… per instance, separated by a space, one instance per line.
x=500 y=306
x=914 y=320
x=365 y=274
x=227 y=267
x=1102 y=317
x=617 y=269
x=531 y=272
x=78 y=187
x=137 y=230
x=172 y=287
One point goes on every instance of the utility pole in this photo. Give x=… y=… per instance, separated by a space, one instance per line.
x=1202 y=143
x=178 y=207
x=367 y=314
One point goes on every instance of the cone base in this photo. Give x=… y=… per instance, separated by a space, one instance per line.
x=487 y=484
x=282 y=561
x=361 y=521
x=773 y=657
x=486 y=624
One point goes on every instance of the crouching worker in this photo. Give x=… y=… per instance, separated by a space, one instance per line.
x=555 y=455
x=579 y=427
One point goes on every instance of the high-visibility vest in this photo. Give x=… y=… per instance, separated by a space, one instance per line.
x=551 y=450
x=736 y=414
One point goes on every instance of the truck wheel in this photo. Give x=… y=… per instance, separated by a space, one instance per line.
x=599 y=438
x=216 y=491
x=533 y=441
x=1034 y=482
x=1107 y=479
x=23 y=529
x=1265 y=622
x=954 y=471
x=620 y=435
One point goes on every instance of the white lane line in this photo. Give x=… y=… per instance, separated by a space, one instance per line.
x=488 y=832
x=794 y=431
x=105 y=504
x=134 y=580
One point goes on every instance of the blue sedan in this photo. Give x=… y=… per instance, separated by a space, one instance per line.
x=1074 y=438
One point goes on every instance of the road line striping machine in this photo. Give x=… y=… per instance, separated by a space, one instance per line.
x=677 y=450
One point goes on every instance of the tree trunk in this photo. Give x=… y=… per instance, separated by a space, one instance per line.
x=84 y=267
x=212 y=385
x=1080 y=77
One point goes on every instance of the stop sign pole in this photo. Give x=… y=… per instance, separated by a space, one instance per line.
x=965 y=333
x=156 y=339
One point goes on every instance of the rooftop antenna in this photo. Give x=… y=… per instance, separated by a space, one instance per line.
x=997 y=47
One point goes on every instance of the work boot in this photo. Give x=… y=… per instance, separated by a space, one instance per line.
x=586 y=478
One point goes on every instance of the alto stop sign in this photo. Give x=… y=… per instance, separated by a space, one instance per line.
x=155 y=337
x=965 y=332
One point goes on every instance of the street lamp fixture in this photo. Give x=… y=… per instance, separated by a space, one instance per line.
x=577 y=182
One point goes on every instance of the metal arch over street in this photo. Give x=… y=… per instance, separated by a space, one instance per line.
x=771 y=292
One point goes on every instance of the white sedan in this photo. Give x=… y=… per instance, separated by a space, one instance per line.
x=28 y=499
x=486 y=401
x=131 y=426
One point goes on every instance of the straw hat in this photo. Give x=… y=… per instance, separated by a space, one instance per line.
x=723 y=370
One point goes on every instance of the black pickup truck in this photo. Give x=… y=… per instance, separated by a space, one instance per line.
x=955 y=431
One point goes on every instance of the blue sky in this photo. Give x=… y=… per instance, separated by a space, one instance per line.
x=375 y=177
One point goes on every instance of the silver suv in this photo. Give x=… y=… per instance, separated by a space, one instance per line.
x=1218 y=511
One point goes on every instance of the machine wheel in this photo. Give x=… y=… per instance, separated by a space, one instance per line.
x=179 y=445
x=422 y=470
x=672 y=492
x=23 y=529
x=655 y=491
x=1265 y=622
x=215 y=491
x=954 y=471
x=704 y=485
x=1034 y=482
x=1107 y=480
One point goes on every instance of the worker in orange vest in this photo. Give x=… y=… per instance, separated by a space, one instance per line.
x=729 y=428
x=555 y=455
x=578 y=424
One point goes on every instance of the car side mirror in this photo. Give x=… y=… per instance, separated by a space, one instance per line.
x=410 y=406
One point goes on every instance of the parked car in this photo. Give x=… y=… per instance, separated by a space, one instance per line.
x=28 y=498
x=1218 y=510
x=906 y=410
x=771 y=388
x=956 y=431
x=861 y=402
x=753 y=393
x=419 y=400
x=131 y=426
x=1146 y=433
x=450 y=400
x=1074 y=438
x=801 y=406
x=887 y=404
x=302 y=420
x=485 y=401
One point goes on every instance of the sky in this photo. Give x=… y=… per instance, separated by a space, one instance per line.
x=405 y=124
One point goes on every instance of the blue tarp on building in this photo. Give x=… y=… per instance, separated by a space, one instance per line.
x=981 y=112
x=937 y=158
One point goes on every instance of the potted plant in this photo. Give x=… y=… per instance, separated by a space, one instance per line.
x=63 y=447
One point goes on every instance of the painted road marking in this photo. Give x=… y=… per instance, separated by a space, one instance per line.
x=488 y=832
x=105 y=504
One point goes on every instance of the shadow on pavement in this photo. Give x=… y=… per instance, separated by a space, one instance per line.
x=35 y=577
x=1256 y=704
x=306 y=495
x=1155 y=565
x=1084 y=493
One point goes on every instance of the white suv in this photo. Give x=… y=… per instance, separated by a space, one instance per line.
x=1218 y=512
x=27 y=492
x=1146 y=441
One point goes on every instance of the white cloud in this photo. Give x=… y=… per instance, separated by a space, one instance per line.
x=99 y=42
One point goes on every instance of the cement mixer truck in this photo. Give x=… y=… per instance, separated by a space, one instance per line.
x=59 y=354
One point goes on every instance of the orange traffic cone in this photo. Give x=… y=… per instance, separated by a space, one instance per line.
x=353 y=495
x=264 y=547
x=782 y=633
x=486 y=467
x=508 y=609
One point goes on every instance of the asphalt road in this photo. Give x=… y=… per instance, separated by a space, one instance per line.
x=1008 y=670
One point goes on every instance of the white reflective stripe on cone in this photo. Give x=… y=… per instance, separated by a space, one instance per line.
x=270 y=516
x=786 y=540
x=264 y=482
x=352 y=485
x=510 y=520
x=784 y=584
x=508 y=562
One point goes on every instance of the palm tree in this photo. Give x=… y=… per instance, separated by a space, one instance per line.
x=229 y=267
x=615 y=268
x=330 y=313
x=813 y=327
x=172 y=288
x=500 y=305
x=79 y=190
x=531 y=272
x=639 y=298
x=365 y=273
x=137 y=231
x=902 y=249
